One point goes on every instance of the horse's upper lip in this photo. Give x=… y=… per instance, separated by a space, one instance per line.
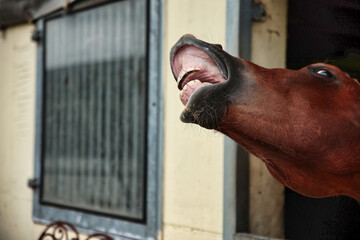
x=195 y=64
x=210 y=50
x=194 y=68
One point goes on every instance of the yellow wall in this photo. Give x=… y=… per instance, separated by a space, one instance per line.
x=17 y=101
x=193 y=157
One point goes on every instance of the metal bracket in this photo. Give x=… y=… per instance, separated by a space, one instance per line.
x=36 y=35
x=258 y=12
x=33 y=183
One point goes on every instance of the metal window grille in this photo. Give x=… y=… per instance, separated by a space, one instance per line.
x=94 y=110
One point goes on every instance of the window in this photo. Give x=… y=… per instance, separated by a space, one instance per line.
x=98 y=133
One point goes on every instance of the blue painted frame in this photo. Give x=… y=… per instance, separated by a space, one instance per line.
x=89 y=223
x=230 y=147
x=238 y=43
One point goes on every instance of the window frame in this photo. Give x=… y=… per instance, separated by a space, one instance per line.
x=89 y=222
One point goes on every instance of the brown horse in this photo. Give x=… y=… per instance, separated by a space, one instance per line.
x=304 y=124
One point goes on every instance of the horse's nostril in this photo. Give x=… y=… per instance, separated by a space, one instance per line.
x=218 y=46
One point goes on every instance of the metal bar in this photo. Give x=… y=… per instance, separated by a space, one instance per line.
x=57 y=136
x=116 y=190
x=125 y=115
x=48 y=158
x=230 y=148
x=79 y=28
x=99 y=124
x=141 y=174
x=154 y=164
x=49 y=183
x=75 y=169
x=68 y=122
x=236 y=160
x=108 y=105
x=92 y=89
x=134 y=19
x=115 y=116
x=63 y=112
x=85 y=67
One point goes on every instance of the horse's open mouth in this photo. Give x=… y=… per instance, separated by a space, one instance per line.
x=195 y=68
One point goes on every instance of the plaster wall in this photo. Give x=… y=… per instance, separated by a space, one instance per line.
x=17 y=104
x=193 y=157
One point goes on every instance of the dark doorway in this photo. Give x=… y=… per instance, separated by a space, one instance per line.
x=323 y=31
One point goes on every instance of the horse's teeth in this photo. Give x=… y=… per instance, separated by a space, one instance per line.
x=183 y=72
x=191 y=83
x=181 y=75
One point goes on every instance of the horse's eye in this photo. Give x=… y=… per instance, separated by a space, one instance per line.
x=324 y=73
